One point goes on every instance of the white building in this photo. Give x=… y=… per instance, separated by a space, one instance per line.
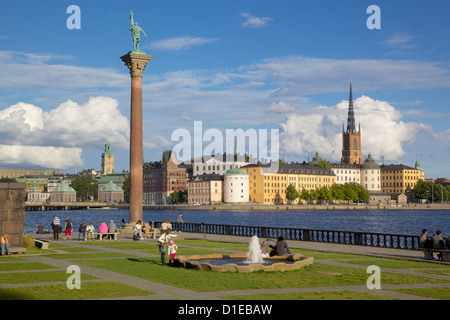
x=371 y=175
x=367 y=174
x=236 y=186
x=346 y=172
x=218 y=164
x=34 y=194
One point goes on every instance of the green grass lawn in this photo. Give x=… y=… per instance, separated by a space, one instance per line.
x=316 y=275
x=89 y=290
x=141 y=260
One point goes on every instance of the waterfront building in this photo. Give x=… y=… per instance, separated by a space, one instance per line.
x=236 y=186
x=63 y=193
x=371 y=175
x=399 y=178
x=351 y=138
x=205 y=189
x=117 y=178
x=161 y=178
x=17 y=173
x=110 y=193
x=269 y=187
x=107 y=160
x=35 y=194
x=40 y=183
x=380 y=198
x=219 y=164
x=346 y=172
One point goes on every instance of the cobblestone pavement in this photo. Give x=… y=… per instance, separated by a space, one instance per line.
x=168 y=292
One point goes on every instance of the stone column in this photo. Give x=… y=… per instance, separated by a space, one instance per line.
x=12 y=211
x=136 y=62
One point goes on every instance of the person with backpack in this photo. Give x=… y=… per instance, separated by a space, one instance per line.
x=68 y=229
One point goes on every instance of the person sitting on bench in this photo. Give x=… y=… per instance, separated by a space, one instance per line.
x=438 y=243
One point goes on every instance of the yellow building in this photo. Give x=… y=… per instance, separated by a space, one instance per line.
x=398 y=178
x=269 y=187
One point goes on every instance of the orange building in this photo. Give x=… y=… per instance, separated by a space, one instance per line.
x=351 y=138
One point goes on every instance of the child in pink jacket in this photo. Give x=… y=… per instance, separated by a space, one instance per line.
x=172 y=252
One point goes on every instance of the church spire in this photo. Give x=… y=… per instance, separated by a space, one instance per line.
x=351 y=126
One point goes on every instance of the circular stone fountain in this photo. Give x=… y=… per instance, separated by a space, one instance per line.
x=245 y=262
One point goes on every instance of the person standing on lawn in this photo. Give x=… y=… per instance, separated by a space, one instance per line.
x=162 y=241
x=68 y=228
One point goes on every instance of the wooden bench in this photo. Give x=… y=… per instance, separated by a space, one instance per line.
x=100 y=235
x=428 y=252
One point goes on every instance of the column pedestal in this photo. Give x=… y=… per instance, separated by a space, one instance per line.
x=136 y=63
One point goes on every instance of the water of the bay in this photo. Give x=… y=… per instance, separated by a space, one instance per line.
x=383 y=221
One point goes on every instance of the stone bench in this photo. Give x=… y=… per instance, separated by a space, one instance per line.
x=100 y=235
x=19 y=250
x=428 y=253
x=154 y=232
x=41 y=244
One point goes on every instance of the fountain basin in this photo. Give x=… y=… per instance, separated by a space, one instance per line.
x=287 y=262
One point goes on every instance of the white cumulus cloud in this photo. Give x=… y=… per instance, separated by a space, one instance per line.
x=254 y=22
x=180 y=43
x=55 y=139
x=383 y=133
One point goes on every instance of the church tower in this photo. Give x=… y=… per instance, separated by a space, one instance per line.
x=107 y=160
x=351 y=138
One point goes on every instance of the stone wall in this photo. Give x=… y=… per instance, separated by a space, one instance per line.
x=12 y=213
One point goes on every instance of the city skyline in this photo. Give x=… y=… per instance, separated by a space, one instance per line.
x=236 y=64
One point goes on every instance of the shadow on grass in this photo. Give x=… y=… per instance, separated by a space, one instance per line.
x=8 y=295
x=145 y=260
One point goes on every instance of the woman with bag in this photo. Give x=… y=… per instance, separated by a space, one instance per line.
x=162 y=241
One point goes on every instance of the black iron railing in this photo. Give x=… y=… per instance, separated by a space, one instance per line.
x=370 y=239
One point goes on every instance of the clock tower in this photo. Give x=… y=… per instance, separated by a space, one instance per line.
x=107 y=160
x=351 y=138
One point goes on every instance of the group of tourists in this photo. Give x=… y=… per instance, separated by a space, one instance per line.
x=142 y=229
x=84 y=231
x=280 y=247
x=434 y=242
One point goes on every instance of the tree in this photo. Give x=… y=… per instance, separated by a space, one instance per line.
x=337 y=191
x=291 y=193
x=426 y=190
x=304 y=195
x=313 y=195
x=324 y=194
x=324 y=164
x=126 y=186
x=355 y=192
x=85 y=187
x=179 y=196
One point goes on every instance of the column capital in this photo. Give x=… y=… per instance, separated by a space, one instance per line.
x=136 y=63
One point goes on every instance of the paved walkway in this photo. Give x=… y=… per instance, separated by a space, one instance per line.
x=168 y=292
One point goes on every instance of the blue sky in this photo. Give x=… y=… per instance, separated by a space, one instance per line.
x=231 y=64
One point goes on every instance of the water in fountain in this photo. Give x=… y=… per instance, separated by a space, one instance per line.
x=254 y=254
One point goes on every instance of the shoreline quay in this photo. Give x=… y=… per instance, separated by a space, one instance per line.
x=259 y=207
